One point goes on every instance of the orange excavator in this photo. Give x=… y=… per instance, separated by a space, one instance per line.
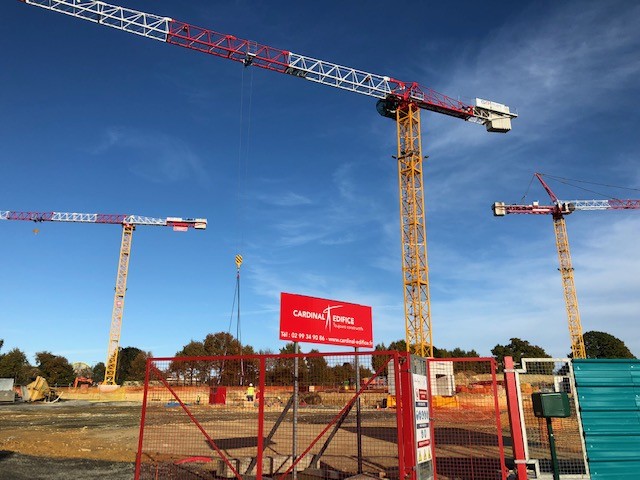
x=80 y=381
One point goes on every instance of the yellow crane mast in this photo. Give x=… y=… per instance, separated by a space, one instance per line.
x=415 y=269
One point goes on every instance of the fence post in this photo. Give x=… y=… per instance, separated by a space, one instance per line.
x=358 y=413
x=260 y=398
x=514 y=418
x=432 y=427
x=404 y=408
x=136 y=473
x=294 y=430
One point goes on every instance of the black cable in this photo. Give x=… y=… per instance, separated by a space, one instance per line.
x=527 y=190
x=567 y=181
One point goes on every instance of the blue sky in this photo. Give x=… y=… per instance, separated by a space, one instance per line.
x=299 y=177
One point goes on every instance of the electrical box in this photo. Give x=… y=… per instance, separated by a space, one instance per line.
x=551 y=404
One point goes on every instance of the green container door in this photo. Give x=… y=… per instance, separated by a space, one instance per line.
x=609 y=398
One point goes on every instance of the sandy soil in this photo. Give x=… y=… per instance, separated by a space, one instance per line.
x=77 y=439
x=68 y=440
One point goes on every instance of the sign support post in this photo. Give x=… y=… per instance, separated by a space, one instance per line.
x=294 y=443
x=329 y=322
x=358 y=419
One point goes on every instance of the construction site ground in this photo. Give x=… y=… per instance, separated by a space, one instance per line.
x=98 y=438
x=72 y=439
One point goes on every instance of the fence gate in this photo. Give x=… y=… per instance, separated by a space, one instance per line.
x=550 y=375
x=328 y=421
x=468 y=407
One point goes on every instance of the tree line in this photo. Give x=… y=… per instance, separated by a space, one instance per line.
x=57 y=370
x=233 y=367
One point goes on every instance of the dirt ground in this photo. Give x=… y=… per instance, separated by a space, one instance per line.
x=67 y=440
x=78 y=439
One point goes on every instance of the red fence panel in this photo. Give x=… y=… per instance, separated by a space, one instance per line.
x=334 y=424
x=468 y=408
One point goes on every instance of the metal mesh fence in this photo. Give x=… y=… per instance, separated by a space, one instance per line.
x=469 y=410
x=551 y=375
x=200 y=422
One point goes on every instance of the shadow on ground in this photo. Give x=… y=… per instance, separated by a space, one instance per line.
x=15 y=466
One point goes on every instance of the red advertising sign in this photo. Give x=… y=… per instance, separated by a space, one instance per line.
x=318 y=320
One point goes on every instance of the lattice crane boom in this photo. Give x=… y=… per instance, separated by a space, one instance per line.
x=129 y=223
x=399 y=100
x=558 y=210
x=176 y=222
x=495 y=116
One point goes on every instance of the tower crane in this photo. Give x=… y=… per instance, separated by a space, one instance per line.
x=129 y=223
x=398 y=100
x=558 y=210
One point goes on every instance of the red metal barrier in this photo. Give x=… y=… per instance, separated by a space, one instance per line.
x=467 y=404
x=341 y=420
x=334 y=425
x=514 y=418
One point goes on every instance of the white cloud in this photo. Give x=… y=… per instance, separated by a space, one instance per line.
x=564 y=67
x=155 y=157
x=519 y=293
x=284 y=199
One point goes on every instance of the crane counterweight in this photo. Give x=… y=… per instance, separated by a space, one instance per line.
x=498 y=117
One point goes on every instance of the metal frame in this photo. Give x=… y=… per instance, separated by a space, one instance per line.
x=496 y=406
x=252 y=53
x=118 y=306
x=132 y=21
x=512 y=389
x=569 y=287
x=415 y=270
x=404 y=412
x=535 y=462
x=198 y=223
x=611 y=204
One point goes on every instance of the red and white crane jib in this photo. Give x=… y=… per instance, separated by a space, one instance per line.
x=177 y=223
x=496 y=117
x=611 y=204
x=501 y=209
x=563 y=207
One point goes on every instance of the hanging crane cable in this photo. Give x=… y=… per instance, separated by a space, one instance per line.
x=235 y=310
x=243 y=161
x=244 y=144
x=524 y=196
x=238 y=331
